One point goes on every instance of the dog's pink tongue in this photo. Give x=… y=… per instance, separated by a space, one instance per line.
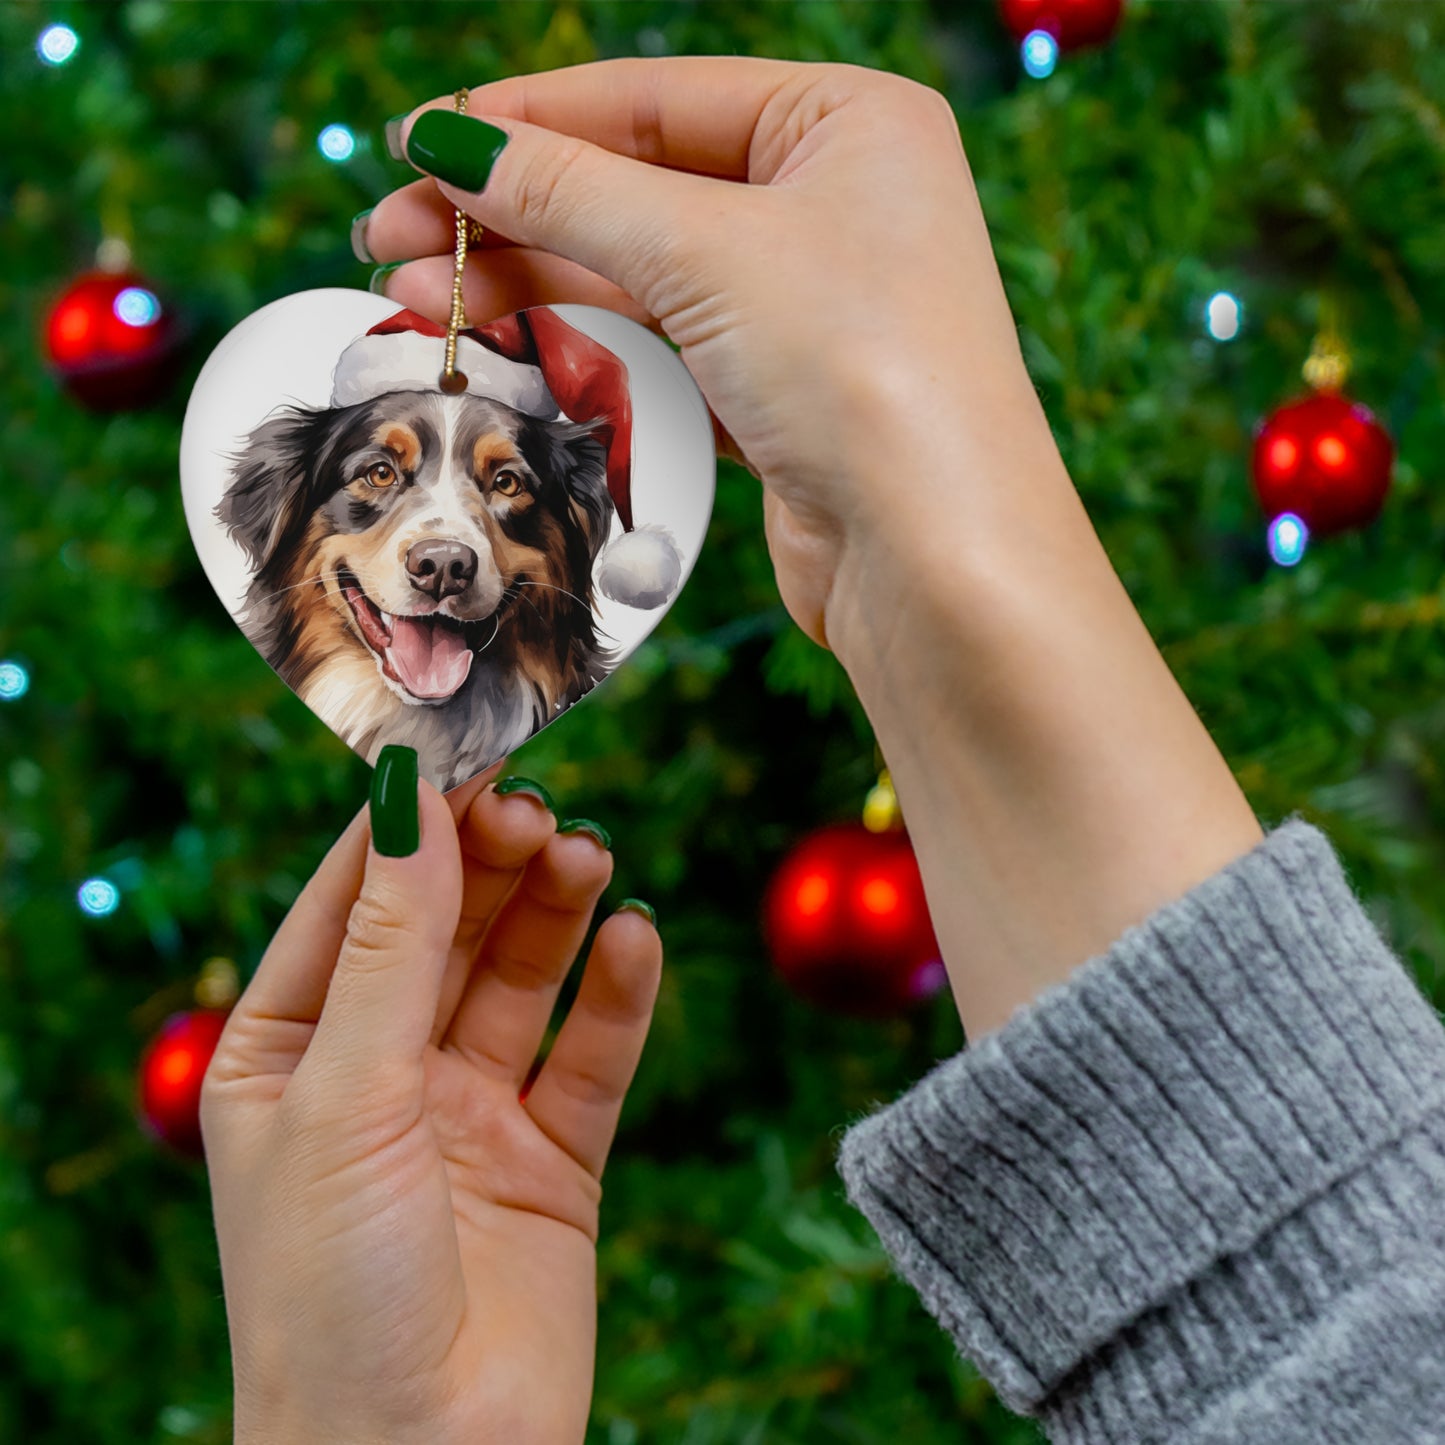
x=430 y=659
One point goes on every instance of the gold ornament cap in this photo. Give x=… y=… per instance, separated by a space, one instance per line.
x=219 y=985
x=881 y=813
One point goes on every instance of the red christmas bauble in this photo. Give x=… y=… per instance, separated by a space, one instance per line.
x=111 y=341
x=847 y=923
x=1324 y=458
x=1073 y=23
x=171 y=1071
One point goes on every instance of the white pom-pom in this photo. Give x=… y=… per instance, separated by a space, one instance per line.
x=641 y=568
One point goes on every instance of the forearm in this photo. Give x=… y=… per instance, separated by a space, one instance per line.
x=1057 y=784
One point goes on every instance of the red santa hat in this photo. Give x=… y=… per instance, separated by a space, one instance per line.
x=536 y=363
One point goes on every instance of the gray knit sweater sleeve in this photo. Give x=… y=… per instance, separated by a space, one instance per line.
x=1196 y=1192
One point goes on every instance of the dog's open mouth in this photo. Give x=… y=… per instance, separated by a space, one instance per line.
x=430 y=657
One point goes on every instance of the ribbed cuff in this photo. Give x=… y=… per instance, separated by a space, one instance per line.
x=1137 y=1187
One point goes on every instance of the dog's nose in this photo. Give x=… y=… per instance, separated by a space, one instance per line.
x=441 y=569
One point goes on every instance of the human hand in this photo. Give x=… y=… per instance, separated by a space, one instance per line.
x=407 y=1247
x=842 y=311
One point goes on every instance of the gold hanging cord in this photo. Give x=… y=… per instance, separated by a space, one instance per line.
x=452 y=381
x=1328 y=367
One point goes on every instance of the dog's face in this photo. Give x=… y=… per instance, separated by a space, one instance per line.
x=420 y=519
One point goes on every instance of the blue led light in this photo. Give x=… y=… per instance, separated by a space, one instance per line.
x=1040 y=52
x=1288 y=538
x=57 y=44
x=14 y=681
x=98 y=897
x=1223 y=316
x=336 y=143
x=137 y=307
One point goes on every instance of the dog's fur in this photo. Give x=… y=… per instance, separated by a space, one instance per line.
x=305 y=506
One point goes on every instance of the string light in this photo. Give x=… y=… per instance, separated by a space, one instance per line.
x=57 y=44
x=14 y=681
x=1223 y=316
x=98 y=897
x=1040 y=52
x=136 y=306
x=336 y=143
x=1288 y=538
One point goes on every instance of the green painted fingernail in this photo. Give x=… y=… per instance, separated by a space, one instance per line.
x=586 y=825
x=395 y=824
x=509 y=786
x=636 y=905
x=393 y=136
x=377 y=284
x=359 y=248
x=455 y=148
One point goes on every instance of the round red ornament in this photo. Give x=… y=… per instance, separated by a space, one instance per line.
x=1073 y=23
x=111 y=341
x=1326 y=459
x=847 y=923
x=171 y=1071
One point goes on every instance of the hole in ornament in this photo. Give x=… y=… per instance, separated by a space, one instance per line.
x=454 y=383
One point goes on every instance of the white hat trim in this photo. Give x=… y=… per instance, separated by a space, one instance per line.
x=409 y=361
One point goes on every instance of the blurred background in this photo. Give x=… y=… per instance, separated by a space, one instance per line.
x=1188 y=206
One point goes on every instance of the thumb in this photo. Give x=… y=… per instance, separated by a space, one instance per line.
x=382 y=999
x=638 y=225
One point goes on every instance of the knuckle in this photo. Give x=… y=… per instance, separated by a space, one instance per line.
x=374 y=935
x=543 y=187
x=521 y=971
x=588 y=1085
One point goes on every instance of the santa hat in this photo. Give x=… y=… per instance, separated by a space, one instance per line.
x=536 y=363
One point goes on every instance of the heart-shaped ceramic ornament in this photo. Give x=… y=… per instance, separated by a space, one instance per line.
x=448 y=570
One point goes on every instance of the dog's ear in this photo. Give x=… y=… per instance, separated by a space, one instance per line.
x=266 y=503
x=571 y=452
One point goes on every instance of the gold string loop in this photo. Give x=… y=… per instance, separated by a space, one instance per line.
x=452 y=381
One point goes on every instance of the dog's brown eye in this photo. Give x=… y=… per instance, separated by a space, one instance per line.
x=381 y=474
x=507 y=483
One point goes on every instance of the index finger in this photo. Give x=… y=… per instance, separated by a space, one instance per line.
x=697 y=113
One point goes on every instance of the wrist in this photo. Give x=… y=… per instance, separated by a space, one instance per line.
x=1057 y=784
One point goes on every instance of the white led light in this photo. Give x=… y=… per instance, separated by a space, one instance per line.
x=137 y=307
x=1223 y=316
x=14 y=681
x=1040 y=52
x=98 y=897
x=1288 y=538
x=57 y=44
x=336 y=143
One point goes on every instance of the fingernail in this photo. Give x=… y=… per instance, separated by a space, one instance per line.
x=455 y=148
x=377 y=284
x=636 y=905
x=586 y=825
x=359 y=248
x=393 y=136
x=508 y=786
x=395 y=824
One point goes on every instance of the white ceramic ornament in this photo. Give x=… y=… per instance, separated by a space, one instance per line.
x=447 y=571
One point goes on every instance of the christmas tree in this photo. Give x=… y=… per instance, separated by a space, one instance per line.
x=1179 y=215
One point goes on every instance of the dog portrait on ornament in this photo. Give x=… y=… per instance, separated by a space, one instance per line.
x=426 y=568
